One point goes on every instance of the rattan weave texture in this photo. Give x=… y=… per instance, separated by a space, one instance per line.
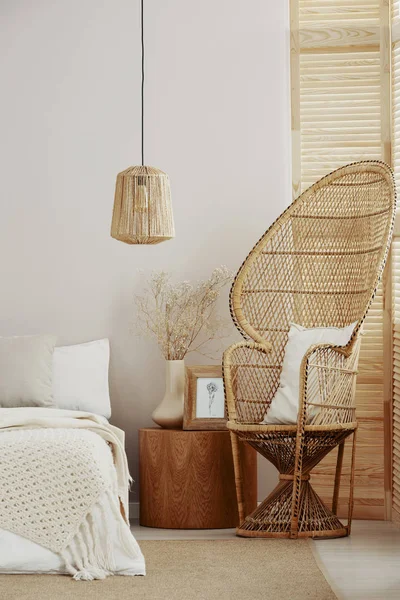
x=318 y=265
x=142 y=211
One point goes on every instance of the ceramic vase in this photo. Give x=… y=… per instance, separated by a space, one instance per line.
x=169 y=414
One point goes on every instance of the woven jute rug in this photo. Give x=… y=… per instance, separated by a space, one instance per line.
x=194 y=570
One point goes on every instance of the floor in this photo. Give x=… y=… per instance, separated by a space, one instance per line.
x=364 y=566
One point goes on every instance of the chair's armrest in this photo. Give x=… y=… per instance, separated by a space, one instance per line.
x=327 y=384
x=250 y=380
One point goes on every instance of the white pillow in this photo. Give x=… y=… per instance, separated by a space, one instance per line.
x=80 y=377
x=26 y=370
x=285 y=404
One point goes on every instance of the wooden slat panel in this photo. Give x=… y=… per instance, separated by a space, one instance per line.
x=331 y=37
x=344 y=96
x=396 y=319
x=334 y=23
x=369 y=495
x=396 y=515
x=395 y=11
x=396 y=121
x=295 y=98
x=334 y=103
x=396 y=264
x=337 y=24
x=339 y=10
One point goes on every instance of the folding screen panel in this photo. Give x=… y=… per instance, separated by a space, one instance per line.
x=340 y=80
x=396 y=261
x=396 y=379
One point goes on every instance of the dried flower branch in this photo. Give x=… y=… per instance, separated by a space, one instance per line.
x=176 y=314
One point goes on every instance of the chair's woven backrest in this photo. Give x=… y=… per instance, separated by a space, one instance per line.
x=320 y=263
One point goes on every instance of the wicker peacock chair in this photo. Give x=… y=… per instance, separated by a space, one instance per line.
x=318 y=265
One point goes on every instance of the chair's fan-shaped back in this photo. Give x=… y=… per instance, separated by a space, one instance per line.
x=319 y=264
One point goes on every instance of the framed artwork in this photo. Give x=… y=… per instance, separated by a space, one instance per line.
x=204 y=398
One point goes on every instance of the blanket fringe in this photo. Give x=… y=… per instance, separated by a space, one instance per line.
x=86 y=557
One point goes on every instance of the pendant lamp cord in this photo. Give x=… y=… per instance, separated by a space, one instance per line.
x=142 y=31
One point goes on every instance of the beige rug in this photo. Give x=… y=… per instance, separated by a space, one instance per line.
x=194 y=570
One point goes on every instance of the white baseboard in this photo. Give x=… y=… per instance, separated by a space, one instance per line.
x=133 y=510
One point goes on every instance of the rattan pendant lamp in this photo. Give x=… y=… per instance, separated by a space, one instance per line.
x=142 y=204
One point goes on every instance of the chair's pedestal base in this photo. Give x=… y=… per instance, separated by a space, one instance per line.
x=338 y=533
x=272 y=518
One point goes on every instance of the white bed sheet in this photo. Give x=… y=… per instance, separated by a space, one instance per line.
x=20 y=555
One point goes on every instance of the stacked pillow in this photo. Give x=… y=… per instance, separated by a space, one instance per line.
x=34 y=372
x=26 y=370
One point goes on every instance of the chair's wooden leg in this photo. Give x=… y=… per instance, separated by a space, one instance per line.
x=351 y=496
x=298 y=466
x=238 y=476
x=338 y=475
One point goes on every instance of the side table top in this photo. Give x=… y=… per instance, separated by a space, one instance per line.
x=191 y=431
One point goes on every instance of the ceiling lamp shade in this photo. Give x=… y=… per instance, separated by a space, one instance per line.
x=142 y=203
x=142 y=207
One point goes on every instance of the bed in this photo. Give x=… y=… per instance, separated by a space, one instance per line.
x=64 y=495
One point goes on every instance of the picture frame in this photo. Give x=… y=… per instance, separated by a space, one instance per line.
x=204 y=398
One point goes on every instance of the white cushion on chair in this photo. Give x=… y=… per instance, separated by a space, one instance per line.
x=285 y=404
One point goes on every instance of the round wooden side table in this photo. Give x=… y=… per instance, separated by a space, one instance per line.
x=187 y=479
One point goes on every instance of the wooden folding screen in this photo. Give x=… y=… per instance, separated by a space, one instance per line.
x=396 y=261
x=340 y=84
x=396 y=379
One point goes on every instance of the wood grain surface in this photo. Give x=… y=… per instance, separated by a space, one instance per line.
x=341 y=98
x=187 y=479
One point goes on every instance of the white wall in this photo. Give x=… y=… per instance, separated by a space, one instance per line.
x=217 y=120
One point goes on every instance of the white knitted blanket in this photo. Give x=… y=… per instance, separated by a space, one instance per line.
x=55 y=467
